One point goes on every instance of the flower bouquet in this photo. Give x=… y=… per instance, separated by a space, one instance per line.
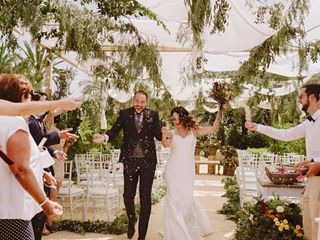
x=221 y=92
x=272 y=219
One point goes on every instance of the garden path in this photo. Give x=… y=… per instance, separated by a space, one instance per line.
x=208 y=191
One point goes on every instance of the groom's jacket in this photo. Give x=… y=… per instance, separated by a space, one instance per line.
x=151 y=129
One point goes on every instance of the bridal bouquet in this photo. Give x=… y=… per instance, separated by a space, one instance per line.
x=221 y=92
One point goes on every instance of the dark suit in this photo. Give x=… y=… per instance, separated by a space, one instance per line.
x=135 y=168
x=38 y=132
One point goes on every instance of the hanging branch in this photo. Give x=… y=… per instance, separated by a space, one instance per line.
x=200 y=15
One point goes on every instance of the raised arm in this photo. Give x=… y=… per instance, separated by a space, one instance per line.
x=166 y=137
x=209 y=130
x=29 y=108
x=285 y=135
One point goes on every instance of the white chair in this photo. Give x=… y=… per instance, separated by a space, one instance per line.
x=83 y=166
x=116 y=168
x=268 y=158
x=69 y=195
x=102 y=196
x=246 y=176
x=162 y=158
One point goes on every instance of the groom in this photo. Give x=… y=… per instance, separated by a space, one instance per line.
x=138 y=155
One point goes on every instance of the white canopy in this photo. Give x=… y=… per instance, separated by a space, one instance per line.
x=222 y=51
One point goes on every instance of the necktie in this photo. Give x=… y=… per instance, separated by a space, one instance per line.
x=138 y=121
x=310 y=118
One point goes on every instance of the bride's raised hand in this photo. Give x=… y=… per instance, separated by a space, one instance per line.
x=166 y=131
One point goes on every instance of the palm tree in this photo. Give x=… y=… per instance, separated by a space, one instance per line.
x=35 y=61
x=8 y=60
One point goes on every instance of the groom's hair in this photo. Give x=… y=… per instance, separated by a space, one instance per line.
x=312 y=88
x=141 y=92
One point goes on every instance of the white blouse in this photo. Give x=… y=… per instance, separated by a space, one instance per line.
x=15 y=202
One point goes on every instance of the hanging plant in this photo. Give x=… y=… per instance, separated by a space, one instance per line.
x=200 y=15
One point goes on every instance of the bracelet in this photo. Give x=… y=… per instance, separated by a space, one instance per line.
x=44 y=202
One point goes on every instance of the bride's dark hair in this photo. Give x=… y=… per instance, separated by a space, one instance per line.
x=184 y=117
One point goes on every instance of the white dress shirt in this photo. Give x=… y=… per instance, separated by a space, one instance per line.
x=308 y=129
x=15 y=202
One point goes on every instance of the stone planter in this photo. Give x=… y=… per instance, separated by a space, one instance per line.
x=197 y=154
x=212 y=151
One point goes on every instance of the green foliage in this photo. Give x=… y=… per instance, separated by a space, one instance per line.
x=256 y=140
x=281 y=147
x=232 y=206
x=200 y=15
x=75 y=28
x=118 y=226
x=229 y=156
x=273 y=219
x=157 y=194
x=35 y=63
x=8 y=60
x=288 y=22
x=62 y=80
x=257 y=150
x=235 y=137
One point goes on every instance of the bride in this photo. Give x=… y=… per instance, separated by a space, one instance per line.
x=183 y=217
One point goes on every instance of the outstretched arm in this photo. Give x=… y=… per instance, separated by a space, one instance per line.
x=29 y=108
x=285 y=135
x=209 y=130
x=111 y=134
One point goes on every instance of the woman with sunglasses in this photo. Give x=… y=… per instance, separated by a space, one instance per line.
x=22 y=195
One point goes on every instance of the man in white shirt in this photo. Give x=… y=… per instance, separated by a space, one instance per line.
x=309 y=129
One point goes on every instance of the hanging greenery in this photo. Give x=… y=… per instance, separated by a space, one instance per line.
x=200 y=15
x=77 y=28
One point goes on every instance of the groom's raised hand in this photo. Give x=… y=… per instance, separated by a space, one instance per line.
x=251 y=126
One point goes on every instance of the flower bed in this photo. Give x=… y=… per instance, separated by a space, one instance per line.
x=273 y=219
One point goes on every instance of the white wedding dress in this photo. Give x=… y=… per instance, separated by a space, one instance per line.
x=183 y=217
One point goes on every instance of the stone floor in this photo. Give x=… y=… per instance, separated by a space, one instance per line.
x=208 y=191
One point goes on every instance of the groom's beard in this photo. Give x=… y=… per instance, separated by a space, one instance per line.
x=305 y=107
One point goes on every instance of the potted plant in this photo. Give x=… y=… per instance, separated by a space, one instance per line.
x=213 y=146
x=229 y=159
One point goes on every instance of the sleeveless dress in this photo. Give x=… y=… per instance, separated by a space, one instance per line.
x=183 y=217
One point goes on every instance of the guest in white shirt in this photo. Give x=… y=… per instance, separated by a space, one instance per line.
x=309 y=129
x=22 y=194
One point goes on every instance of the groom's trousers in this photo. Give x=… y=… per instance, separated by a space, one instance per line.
x=141 y=169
